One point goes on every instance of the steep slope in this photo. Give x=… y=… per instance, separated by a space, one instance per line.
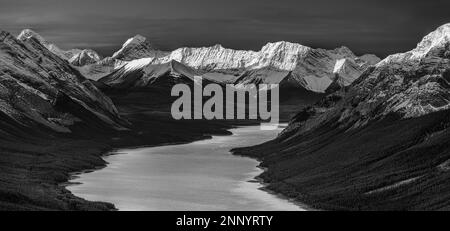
x=101 y=68
x=136 y=48
x=133 y=49
x=267 y=75
x=85 y=57
x=346 y=72
x=76 y=57
x=314 y=69
x=67 y=55
x=370 y=59
x=39 y=89
x=144 y=73
x=384 y=143
x=54 y=122
x=311 y=68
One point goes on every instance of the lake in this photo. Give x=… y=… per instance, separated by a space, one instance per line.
x=201 y=175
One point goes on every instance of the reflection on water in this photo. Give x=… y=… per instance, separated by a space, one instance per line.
x=202 y=175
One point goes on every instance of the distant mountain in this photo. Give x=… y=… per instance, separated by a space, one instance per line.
x=311 y=69
x=40 y=91
x=142 y=73
x=410 y=84
x=136 y=48
x=315 y=70
x=28 y=33
x=85 y=57
x=382 y=143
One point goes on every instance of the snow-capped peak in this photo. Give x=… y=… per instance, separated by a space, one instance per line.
x=134 y=48
x=347 y=71
x=312 y=67
x=138 y=39
x=85 y=57
x=435 y=43
x=28 y=33
x=283 y=46
x=91 y=53
x=67 y=55
x=435 y=39
x=138 y=63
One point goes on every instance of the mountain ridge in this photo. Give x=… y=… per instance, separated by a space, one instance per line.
x=37 y=80
x=77 y=57
x=379 y=143
x=313 y=68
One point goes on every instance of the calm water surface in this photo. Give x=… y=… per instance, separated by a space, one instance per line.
x=202 y=175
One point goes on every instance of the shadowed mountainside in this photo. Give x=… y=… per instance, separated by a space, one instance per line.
x=382 y=144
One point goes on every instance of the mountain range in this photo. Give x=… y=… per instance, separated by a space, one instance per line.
x=378 y=138
x=301 y=66
x=39 y=89
x=382 y=143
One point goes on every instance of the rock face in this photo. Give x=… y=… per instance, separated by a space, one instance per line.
x=76 y=57
x=311 y=69
x=370 y=59
x=136 y=48
x=101 y=68
x=407 y=85
x=85 y=57
x=33 y=81
x=138 y=74
x=67 y=55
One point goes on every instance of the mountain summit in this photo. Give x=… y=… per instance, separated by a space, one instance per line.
x=382 y=144
x=76 y=57
x=28 y=33
x=312 y=69
x=316 y=70
x=135 y=48
x=435 y=44
x=405 y=85
x=39 y=91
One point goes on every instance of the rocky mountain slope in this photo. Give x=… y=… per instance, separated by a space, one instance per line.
x=136 y=48
x=383 y=143
x=142 y=74
x=77 y=57
x=411 y=84
x=85 y=57
x=39 y=89
x=315 y=70
x=54 y=121
x=312 y=69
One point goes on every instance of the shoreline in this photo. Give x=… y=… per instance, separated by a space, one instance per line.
x=256 y=179
x=280 y=195
x=75 y=174
x=265 y=185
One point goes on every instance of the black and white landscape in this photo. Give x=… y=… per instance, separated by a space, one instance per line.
x=82 y=129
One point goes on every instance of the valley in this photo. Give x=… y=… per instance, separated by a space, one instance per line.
x=363 y=133
x=378 y=145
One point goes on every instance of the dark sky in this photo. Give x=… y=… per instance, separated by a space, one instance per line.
x=365 y=26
